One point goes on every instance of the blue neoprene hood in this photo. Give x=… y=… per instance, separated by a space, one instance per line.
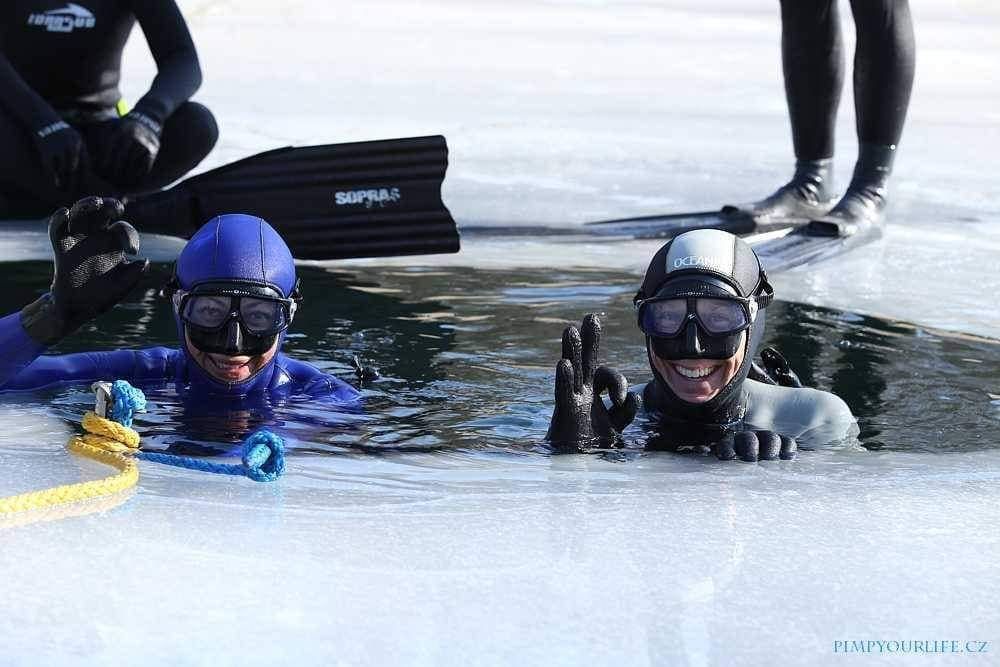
x=241 y=248
x=237 y=247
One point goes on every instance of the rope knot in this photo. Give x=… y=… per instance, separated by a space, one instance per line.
x=108 y=435
x=126 y=401
x=263 y=456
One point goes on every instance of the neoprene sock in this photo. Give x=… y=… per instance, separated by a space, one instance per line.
x=807 y=195
x=863 y=204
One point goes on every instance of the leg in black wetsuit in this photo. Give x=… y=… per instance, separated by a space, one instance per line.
x=26 y=187
x=883 y=78
x=812 y=58
x=23 y=182
x=188 y=136
x=62 y=65
x=813 y=61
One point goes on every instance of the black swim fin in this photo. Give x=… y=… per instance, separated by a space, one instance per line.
x=667 y=226
x=365 y=199
x=728 y=219
x=803 y=246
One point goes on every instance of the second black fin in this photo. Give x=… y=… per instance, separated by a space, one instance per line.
x=364 y=199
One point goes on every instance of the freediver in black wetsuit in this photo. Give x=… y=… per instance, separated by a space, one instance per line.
x=64 y=129
x=702 y=309
x=812 y=55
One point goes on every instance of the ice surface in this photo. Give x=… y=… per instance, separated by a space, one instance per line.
x=504 y=559
x=561 y=112
x=556 y=113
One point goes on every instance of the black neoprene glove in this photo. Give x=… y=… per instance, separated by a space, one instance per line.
x=753 y=446
x=91 y=273
x=62 y=152
x=776 y=370
x=130 y=149
x=580 y=418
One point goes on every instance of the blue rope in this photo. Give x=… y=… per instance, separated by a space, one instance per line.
x=126 y=401
x=263 y=459
x=263 y=451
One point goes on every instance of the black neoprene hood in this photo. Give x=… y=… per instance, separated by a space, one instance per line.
x=707 y=255
x=706 y=252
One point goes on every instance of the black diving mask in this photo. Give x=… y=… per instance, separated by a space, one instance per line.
x=697 y=318
x=666 y=317
x=234 y=318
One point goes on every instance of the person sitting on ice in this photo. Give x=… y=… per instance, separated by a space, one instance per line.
x=702 y=307
x=64 y=128
x=234 y=295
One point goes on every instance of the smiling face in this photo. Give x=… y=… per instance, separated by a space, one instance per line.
x=699 y=380
x=230 y=369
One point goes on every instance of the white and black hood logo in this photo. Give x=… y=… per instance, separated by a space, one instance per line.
x=368 y=198
x=69 y=18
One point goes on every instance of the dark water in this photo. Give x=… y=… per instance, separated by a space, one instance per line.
x=467 y=361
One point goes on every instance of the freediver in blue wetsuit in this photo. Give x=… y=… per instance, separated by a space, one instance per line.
x=234 y=295
x=702 y=309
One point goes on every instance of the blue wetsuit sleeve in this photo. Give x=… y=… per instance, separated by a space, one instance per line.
x=43 y=371
x=178 y=70
x=332 y=388
x=311 y=381
x=17 y=348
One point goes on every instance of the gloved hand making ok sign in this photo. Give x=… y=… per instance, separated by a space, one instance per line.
x=580 y=419
x=91 y=274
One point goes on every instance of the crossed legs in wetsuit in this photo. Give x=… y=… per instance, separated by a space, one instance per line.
x=189 y=134
x=813 y=63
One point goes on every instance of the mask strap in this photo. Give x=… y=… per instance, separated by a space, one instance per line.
x=171 y=287
x=765 y=293
x=296 y=297
x=296 y=294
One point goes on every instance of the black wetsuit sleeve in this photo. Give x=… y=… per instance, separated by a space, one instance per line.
x=178 y=70
x=20 y=100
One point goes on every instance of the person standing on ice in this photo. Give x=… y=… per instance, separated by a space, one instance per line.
x=234 y=295
x=701 y=307
x=64 y=128
x=812 y=55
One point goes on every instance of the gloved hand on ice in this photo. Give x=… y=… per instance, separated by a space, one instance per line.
x=749 y=445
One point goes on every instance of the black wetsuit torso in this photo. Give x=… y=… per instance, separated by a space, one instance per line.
x=82 y=49
x=70 y=53
x=813 y=417
x=62 y=61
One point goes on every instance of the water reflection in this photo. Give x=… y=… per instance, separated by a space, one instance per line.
x=467 y=359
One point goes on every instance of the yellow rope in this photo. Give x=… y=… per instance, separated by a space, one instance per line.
x=60 y=512
x=105 y=441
